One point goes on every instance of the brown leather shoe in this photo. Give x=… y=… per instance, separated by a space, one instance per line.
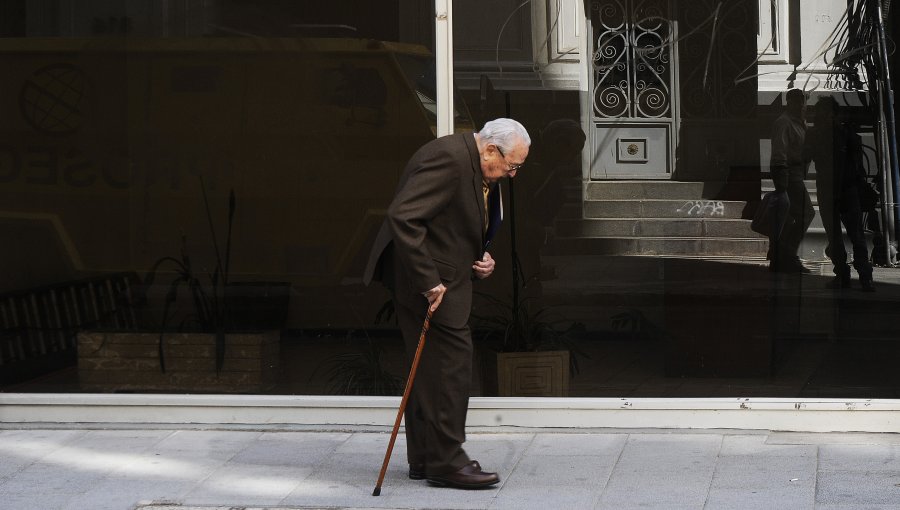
x=417 y=471
x=469 y=476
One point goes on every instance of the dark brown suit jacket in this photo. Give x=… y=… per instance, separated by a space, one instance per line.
x=434 y=229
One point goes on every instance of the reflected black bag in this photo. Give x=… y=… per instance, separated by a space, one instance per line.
x=771 y=215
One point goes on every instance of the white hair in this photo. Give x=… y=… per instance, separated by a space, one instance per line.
x=504 y=133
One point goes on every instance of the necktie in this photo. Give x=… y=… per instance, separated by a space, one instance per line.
x=486 y=189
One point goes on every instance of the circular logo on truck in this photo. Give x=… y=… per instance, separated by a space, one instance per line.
x=53 y=100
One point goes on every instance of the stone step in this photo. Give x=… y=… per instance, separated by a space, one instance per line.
x=666 y=218
x=701 y=247
x=664 y=208
x=750 y=247
x=657 y=227
x=812 y=249
x=643 y=190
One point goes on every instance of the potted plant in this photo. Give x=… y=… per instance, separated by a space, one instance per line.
x=360 y=371
x=529 y=352
x=199 y=348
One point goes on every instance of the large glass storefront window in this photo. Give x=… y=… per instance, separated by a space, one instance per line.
x=191 y=189
x=638 y=262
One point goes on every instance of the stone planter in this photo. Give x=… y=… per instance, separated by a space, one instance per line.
x=128 y=361
x=529 y=374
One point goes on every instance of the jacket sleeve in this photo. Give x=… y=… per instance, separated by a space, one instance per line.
x=427 y=191
x=780 y=143
x=778 y=163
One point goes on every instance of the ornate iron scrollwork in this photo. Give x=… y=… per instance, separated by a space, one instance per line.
x=632 y=59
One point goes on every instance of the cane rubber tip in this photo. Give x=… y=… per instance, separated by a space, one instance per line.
x=377 y=491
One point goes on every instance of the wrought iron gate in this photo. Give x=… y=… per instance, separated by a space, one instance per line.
x=633 y=81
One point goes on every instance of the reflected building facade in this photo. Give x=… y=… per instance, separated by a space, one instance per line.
x=222 y=166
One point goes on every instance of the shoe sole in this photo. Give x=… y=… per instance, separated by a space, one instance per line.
x=420 y=475
x=446 y=483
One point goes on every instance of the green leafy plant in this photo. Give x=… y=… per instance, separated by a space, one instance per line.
x=206 y=288
x=636 y=324
x=527 y=328
x=360 y=373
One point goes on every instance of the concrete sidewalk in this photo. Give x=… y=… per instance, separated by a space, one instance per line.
x=157 y=468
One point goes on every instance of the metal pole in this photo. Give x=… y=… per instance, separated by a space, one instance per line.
x=887 y=106
x=443 y=49
x=887 y=217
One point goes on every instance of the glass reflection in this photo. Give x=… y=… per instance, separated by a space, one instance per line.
x=221 y=167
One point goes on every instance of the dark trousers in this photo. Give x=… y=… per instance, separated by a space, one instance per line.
x=435 y=416
x=844 y=209
x=800 y=215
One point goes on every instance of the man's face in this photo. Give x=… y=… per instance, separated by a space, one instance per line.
x=497 y=164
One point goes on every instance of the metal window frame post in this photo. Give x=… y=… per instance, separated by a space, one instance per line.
x=443 y=44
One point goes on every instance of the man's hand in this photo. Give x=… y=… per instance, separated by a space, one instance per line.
x=484 y=267
x=435 y=296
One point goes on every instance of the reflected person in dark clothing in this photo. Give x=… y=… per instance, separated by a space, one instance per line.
x=837 y=153
x=553 y=182
x=559 y=159
x=788 y=168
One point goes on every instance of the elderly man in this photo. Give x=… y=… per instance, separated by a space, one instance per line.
x=431 y=247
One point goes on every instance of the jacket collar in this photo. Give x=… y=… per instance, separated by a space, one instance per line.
x=475 y=159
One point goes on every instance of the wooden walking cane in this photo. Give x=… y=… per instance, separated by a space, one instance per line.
x=409 y=383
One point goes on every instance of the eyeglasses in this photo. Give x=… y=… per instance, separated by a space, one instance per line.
x=512 y=168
